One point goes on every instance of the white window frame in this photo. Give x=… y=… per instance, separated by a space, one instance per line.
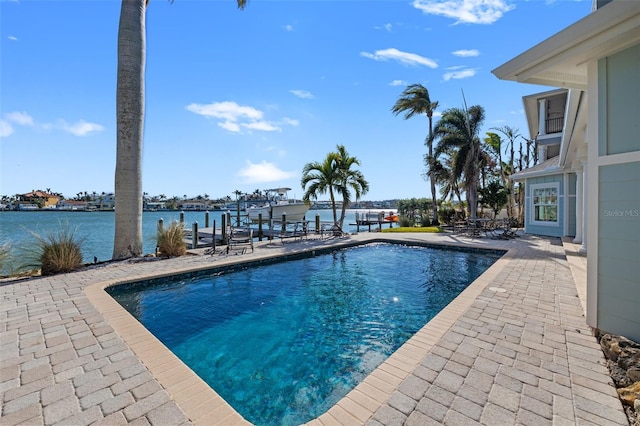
x=533 y=188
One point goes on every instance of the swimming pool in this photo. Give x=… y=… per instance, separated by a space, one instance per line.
x=283 y=342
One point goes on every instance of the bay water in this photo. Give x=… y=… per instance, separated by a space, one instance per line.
x=96 y=229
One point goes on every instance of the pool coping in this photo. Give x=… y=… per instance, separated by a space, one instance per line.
x=203 y=405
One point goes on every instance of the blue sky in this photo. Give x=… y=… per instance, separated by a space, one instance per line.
x=242 y=100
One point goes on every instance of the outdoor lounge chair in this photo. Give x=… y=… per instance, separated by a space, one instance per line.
x=240 y=237
x=300 y=230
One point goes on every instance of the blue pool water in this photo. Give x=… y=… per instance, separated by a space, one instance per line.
x=283 y=342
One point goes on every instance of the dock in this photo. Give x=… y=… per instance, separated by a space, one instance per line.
x=214 y=236
x=374 y=219
x=207 y=236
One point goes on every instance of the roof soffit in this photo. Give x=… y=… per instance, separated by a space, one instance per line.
x=562 y=59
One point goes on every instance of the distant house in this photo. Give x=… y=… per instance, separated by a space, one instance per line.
x=73 y=205
x=155 y=205
x=40 y=198
x=597 y=60
x=105 y=202
x=27 y=206
x=193 y=205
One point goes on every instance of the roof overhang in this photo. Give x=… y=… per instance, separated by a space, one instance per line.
x=546 y=168
x=562 y=59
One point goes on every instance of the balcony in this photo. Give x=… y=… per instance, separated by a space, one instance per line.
x=554 y=125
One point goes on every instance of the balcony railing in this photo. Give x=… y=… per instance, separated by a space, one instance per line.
x=554 y=125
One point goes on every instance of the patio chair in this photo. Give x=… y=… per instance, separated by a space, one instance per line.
x=300 y=230
x=240 y=237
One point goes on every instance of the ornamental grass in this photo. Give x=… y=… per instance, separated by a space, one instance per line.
x=170 y=240
x=58 y=252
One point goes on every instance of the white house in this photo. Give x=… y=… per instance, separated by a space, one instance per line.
x=597 y=60
x=72 y=205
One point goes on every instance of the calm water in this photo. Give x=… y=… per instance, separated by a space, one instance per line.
x=97 y=229
x=283 y=342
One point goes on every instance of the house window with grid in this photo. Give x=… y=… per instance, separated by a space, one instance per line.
x=544 y=203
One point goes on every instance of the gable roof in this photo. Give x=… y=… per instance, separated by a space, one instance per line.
x=39 y=194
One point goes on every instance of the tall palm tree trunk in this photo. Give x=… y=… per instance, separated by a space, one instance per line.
x=473 y=200
x=332 y=199
x=130 y=125
x=432 y=177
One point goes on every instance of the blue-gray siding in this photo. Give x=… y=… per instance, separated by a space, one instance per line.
x=618 y=280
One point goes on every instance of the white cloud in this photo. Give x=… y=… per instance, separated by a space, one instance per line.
x=466 y=11
x=289 y=27
x=12 y=38
x=81 y=128
x=234 y=118
x=302 y=94
x=227 y=110
x=457 y=75
x=5 y=129
x=263 y=172
x=290 y=121
x=398 y=83
x=21 y=118
x=231 y=126
x=466 y=53
x=261 y=125
x=386 y=27
x=405 y=58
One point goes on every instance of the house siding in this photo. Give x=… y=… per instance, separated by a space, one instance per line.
x=620 y=126
x=618 y=179
x=618 y=249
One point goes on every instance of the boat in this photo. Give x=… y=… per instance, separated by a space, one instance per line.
x=276 y=204
x=391 y=218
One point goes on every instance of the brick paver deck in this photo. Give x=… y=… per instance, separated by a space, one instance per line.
x=511 y=349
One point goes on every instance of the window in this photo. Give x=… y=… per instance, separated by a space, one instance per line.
x=544 y=203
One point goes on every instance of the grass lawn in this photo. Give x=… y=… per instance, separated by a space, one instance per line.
x=431 y=229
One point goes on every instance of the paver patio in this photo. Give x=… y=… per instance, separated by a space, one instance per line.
x=513 y=348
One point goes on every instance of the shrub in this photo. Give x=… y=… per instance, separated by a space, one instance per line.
x=405 y=221
x=58 y=252
x=171 y=240
x=446 y=214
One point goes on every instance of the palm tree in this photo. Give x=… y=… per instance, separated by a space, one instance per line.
x=335 y=176
x=511 y=134
x=130 y=126
x=415 y=100
x=322 y=178
x=459 y=129
x=445 y=177
x=350 y=179
x=494 y=144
